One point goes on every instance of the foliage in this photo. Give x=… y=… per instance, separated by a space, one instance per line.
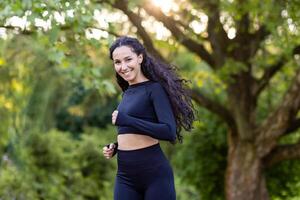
x=201 y=161
x=287 y=186
x=53 y=165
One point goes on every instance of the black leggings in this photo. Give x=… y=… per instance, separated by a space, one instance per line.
x=144 y=174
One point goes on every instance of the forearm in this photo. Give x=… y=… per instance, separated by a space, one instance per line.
x=161 y=131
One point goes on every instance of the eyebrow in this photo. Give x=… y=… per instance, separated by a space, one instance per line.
x=124 y=57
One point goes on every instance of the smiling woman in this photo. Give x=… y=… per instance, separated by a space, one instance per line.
x=154 y=107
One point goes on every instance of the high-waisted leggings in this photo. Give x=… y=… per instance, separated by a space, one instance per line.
x=144 y=174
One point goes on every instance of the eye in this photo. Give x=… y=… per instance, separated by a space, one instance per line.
x=117 y=62
x=128 y=59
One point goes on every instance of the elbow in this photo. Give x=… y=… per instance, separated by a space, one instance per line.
x=173 y=137
x=172 y=133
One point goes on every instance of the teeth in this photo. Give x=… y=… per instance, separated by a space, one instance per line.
x=127 y=72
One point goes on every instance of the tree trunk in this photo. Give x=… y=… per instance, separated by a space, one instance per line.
x=244 y=174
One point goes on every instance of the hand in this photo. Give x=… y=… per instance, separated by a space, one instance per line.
x=108 y=151
x=114 y=116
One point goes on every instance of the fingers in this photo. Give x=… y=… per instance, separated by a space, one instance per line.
x=112 y=146
x=107 y=152
x=114 y=116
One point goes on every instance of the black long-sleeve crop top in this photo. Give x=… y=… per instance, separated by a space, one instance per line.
x=145 y=109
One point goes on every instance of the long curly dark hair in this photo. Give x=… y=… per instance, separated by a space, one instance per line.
x=165 y=74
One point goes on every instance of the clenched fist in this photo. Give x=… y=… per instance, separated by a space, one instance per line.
x=109 y=150
x=114 y=116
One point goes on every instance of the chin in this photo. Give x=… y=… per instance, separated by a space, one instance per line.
x=129 y=79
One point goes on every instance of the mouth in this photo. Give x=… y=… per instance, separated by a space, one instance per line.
x=128 y=72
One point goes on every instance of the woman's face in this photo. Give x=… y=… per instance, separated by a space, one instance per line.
x=128 y=64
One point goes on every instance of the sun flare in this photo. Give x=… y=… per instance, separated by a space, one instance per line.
x=166 y=5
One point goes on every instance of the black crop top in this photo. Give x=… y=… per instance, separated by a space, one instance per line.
x=145 y=109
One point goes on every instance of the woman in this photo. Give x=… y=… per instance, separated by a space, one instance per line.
x=155 y=106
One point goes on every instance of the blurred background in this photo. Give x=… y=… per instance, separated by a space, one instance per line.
x=58 y=90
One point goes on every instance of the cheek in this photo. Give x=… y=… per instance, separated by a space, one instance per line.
x=117 y=68
x=134 y=64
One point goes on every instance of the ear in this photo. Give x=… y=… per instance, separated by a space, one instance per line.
x=140 y=58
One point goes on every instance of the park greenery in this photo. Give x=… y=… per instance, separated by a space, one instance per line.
x=58 y=90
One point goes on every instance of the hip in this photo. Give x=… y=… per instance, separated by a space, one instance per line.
x=140 y=160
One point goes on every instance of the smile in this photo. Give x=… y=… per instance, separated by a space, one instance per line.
x=127 y=72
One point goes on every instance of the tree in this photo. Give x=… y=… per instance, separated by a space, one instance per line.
x=246 y=44
x=252 y=142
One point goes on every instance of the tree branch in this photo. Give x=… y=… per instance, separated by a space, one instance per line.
x=213 y=106
x=256 y=38
x=243 y=24
x=108 y=31
x=296 y=50
x=293 y=126
x=281 y=153
x=63 y=28
x=189 y=43
x=261 y=34
x=216 y=34
x=136 y=20
x=270 y=72
x=267 y=76
x=277 y=123
x=23 y=31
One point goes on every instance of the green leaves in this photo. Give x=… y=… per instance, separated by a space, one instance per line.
x=231 y=68
x=56 y=56
x=201 y=161
x=54 y=34
x=59 y=167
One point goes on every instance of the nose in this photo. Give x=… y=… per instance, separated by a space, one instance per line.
x=123 y=66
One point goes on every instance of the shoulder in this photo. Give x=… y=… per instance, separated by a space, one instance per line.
x=156 y=89
x=154 y=86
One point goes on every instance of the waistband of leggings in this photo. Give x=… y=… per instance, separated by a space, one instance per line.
x=148 y=148
x=140 y=154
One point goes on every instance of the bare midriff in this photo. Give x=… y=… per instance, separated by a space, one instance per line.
x=132 y=141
